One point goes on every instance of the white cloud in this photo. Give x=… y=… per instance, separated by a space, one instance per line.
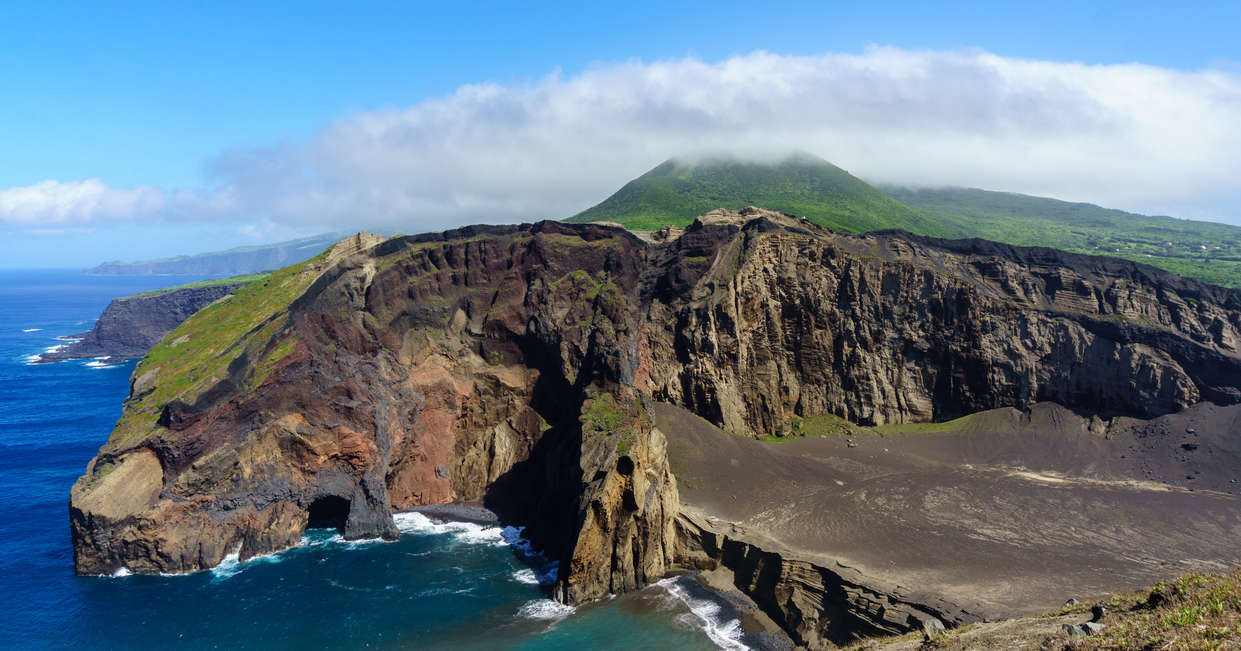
x=51 y=203
x=1130 y=136
x=54 y=202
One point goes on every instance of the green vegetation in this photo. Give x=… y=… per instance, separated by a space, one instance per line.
x=1204 y=250
x=819 y=425
x=195 y=355
x=955 y=425
x=1196 y=611
x=264 y=367
x=605 y=418
x=676 y=192
x=602 y=415
x=101 y=470
x=212 y=282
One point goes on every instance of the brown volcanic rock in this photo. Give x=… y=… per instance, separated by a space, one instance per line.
x=464 y=366
x=626 y=535
x=886 y=328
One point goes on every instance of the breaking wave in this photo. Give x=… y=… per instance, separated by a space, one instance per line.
x=707 y=614
x=545 y=610
x=526 y=576
x=465 y=532
x=541 y=571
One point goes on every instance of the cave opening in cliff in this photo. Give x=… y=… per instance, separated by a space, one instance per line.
x=328 y=512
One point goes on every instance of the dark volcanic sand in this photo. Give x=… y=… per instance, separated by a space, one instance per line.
x=1010 y=513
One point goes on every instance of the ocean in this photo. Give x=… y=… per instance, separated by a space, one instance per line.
x=442 y=585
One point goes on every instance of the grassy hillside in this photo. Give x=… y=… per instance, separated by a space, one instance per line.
x=196 y=355
x=1204 y=250
x=211 y=282
x=677 y=191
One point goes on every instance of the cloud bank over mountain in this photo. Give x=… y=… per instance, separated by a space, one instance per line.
x=1130 y=136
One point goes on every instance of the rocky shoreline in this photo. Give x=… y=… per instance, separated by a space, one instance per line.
x=531 y=369
x=129 y=326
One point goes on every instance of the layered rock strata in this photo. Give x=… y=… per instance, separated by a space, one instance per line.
x=515 y=365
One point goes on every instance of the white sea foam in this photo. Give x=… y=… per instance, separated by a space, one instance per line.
x=54 y=349
x=526 y=576
x=726 y=634
x=544 y=571
x=354 y=544
x=465 y=532
x=545 y=610
x=541 y=571
x=230 y=566
x=31 y=329
x=98 y=364
x=233 y=565
x=121 y=572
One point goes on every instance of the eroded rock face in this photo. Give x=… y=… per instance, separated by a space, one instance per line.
x=887 y=328
x=819 y=604
x=471 y=366
x=626 y=534
x=129 y=326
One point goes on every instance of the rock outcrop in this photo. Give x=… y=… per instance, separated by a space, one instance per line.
x=130 y=325
x=625 y=536
x=816 y=602
x=514 y=366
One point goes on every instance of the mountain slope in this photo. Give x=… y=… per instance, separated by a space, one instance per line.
x=800 y=184
x=130 y=325
x=520 y=366
x=231 y=262
x=1203 y=250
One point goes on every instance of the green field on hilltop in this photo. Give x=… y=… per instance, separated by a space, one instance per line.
x=210 y=282
x=1206 y=251
x=677 y=191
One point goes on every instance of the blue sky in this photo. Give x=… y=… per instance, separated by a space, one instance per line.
x=185 y=99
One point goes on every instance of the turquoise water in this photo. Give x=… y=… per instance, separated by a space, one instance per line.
x=442 y=585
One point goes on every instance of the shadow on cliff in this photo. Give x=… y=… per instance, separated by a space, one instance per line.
x=541 y=492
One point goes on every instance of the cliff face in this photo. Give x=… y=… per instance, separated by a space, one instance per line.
x=888 y=328
x=816 y=605
x=516 y=366
x=129 y=326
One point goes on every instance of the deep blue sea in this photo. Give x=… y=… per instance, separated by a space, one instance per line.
x=442 y=585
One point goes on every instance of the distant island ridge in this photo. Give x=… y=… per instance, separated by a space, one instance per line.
x=231 y=262
x=674 y=192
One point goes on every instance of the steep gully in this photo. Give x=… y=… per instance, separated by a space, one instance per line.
x=519 y=367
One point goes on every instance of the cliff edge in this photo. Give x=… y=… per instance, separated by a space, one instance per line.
x=129 y=326
x=520 y=367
